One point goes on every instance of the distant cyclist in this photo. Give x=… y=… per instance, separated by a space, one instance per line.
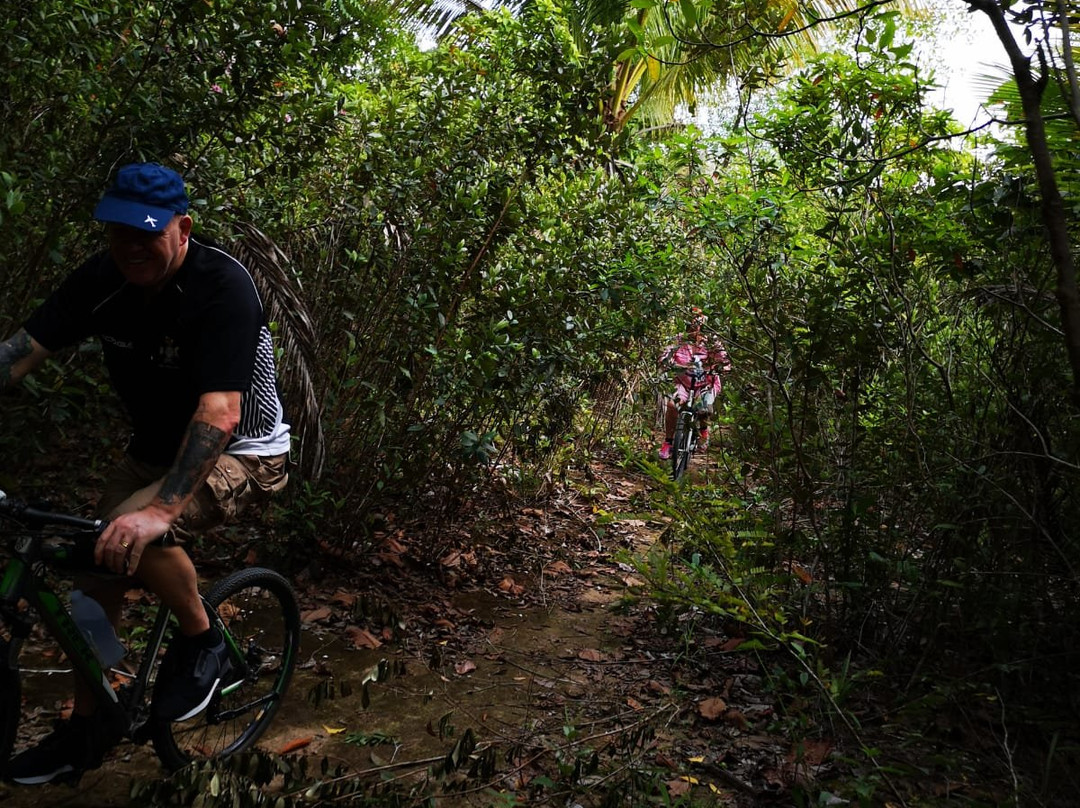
x=188 y=352
x=693 y=344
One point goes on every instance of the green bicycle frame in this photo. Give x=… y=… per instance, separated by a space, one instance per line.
x=20 y=582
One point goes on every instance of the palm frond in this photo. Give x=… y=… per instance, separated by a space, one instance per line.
x=295 y=336
x=728 y=40
x=436 y=18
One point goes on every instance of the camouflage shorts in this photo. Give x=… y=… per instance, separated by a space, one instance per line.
x=236 y=483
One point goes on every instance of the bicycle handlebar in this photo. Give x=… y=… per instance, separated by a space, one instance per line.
x=18 y=509
x=695 y=369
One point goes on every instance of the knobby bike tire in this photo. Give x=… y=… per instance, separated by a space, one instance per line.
x=258 y=606
x=680 y=447
x=10 y=709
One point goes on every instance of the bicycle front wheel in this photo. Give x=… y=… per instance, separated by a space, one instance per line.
x=257 y=608
x=680 y=446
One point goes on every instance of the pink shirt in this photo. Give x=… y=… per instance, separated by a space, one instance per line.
x=710 y=351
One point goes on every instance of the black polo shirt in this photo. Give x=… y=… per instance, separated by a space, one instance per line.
x=200 y=333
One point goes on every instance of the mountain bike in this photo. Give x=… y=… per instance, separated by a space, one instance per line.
x=255 y=609
x=685 y=441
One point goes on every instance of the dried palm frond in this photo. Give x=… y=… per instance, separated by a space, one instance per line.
x=294 y=335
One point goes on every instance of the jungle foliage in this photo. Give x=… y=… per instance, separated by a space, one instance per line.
x=900 y=418
x=488 y=266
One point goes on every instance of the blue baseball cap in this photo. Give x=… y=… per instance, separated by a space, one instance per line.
x=144 y=195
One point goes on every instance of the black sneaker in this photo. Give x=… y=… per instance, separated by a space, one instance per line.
x=189 y=676
x=75 y=746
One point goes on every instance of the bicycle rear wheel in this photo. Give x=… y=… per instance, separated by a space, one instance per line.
x=258 y=609
x=680 y=446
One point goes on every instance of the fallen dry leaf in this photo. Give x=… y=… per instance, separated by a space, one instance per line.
x=392 y=545
x=315 y=615
x=665 y=761
x=362 y=638
x=712 y=709
x=510 y=586
x=802 y=573
x=677 y=788
x=737 y=719
x=347 y=599
x=294 y=744
x=810 y=752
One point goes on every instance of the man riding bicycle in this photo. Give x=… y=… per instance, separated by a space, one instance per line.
x=189 y=354
x=693 y=345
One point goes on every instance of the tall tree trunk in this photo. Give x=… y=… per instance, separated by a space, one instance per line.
x=1053 y=207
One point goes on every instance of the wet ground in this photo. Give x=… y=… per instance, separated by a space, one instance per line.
x=529 y=666
x=528 y=644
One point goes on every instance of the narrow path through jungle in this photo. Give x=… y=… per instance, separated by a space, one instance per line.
x=522 y=639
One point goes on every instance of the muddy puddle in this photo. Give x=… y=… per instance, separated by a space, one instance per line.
x=500 y=669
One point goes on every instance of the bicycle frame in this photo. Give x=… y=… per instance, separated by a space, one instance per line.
x=23 y=578
x=686 y=429
x=237 y=713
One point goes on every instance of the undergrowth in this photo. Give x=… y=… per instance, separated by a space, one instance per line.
x=920 y=720
x=604 y=770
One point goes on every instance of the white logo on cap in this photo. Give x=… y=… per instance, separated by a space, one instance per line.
x=150 y=220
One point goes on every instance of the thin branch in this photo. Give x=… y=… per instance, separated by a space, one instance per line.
x=1007 y=494
x=875 y=162
x=758 y=34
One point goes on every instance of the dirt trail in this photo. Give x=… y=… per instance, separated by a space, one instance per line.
x=524 y=638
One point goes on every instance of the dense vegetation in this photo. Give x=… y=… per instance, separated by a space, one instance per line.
x=491 y=264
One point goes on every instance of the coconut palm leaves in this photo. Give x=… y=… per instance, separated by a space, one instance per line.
x=665 y=52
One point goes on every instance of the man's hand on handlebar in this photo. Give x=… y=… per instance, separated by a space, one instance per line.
x=120 y=547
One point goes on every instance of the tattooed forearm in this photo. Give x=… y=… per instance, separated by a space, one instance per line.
x=11 y=351
x=202 y=446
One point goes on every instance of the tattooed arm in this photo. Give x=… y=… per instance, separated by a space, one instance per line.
x=18 y=356
x=215 y=418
